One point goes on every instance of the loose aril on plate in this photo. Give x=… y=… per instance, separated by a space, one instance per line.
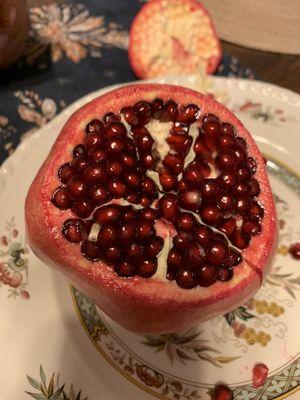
x=159 y=238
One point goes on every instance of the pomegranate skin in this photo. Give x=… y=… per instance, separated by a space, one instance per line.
x=143 y=305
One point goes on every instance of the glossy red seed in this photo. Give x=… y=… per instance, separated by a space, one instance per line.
x=240 y=154
x=168 y=206
x=180 y=142
x=147 y=268
x=217 y=253
x=112 y=255
x=259 y=375
x=168 y=181
x=115 y=129
x=148 y=161
x=148 y=214
x=72 y=230
x=207 y=275
x=95 y=126
x=227 y=226
x=243 y=189
x=108 y=235
x=125 y=269
x=80 y=163
x=254 y=187
x=144 y=112
x=130 y=214
x=145 y=231
x=203 y=167
x=234 y=258
x=294 y=251
x=117 y=188
x=225 y=274
x=99 y=194
x=128 y=160
x=93 y=140
x=83 y=208
x=79 y=151
x=127 y=233
x=242 y=205
x=222 y=392
x=192 y=176
x=191 y=200
x=251 y=226
x=175 y=259
x=182 y=187
x=94 y=173
x=211 y=128
x=227 y=180
x=130 y=116
x=157 y=108
x=133 y=198
x=240 y=239
x=91 y=251
x=251 y=164
x=114 y=168
x=185 y=220
x=203 y=235
x=227 y=129
x=87 y=225
x=226 y=159
x=188 y=114
x=256 y=210
x=243 y=173
x=145 y=200
x=226 y=141
x=108 y=213
x=211 y=215
x=76 y=187
x=195 y=256
x=174 y=163
x=144 y=142
x=132 y=178
x=134 y=251
x=148 y=186
x=201 y=150
x=209 y=190
x=183 y=240
x=219 y=237
x=186 y=278
x=169 y=112
x=61 y=199
x=115 y=146
x=154 y=246
x=111 y=117
x=97 y=155
x=226 y=202
x=65 y=172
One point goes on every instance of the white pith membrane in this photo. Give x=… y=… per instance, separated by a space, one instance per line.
x=160 y=132
x=160 y=34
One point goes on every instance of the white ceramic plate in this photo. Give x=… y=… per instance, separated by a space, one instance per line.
x=47 y=327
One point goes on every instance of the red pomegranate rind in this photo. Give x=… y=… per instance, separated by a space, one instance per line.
x=173 y=37
x=259 y=375
x=138 y=304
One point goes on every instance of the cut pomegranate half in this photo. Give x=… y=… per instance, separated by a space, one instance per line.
x=173 y=37
x=159 y=237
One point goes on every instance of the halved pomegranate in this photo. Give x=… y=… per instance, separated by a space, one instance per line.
x=147 y=209
x=173 y=37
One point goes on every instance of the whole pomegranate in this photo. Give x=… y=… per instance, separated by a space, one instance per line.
x=154 y=201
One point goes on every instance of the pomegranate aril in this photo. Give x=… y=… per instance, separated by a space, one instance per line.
x=134 y=251
x=115 y=146
x=86 y=228
x=188 y=114
x=130 y=214
x=201 y=150
x=209 y=189
x=183 y=240
x=217 y=253
x=254 y=188
x=174 y=260
x=76 y=187
x=145 y=230
x=170 y=275
x=90 y=250
x=227 y=180
x=186 y=221
x=174 y=163
x=133 y=179
x=256 y=210
x=148 y=186
x=243 y=173
x=207 y=275
x=148 y=161
x=112 y=255
x=144 y=142
x=117 y=188
x=226 y=159
x=251 y=226
x=226 y=142
x=128 y=160
x=125 y=269
x=226 y=202
x=240 y=239
x=65 y=172
x=111 y=117
x=186 y=278
x=127 y=233
x=80 y=163
x=259 y=375
x=242 y=205
x=219 y=237
x=94 y=173
x=147 y=268
x=192 y=176
x=225 y=274
x=115 y=129
x=108 y=235
x=191 y=200
x=294 y=251
x=168 y=207
x=83 y=208
x=203 y=167
x=167 y=180
x=211 y=215
x=222 y=392
x=170 y=111
x=130 y=116
x=211 y=127
x=133 y=198
x=144 y=112
x=93 y=140
x=61 y=199
x=240 y=154
x=227 y=129
x=227 y=226
x=108 y=213
x=157 y=108
x=154 y=246
x=180 y=142
x=97 y=156
x=251 y=165
x=79 y=151
x=148 y=214
x=95 y=126
x=234 y=258
x=196 y=256
x=203 y=235
x=72 y=230
x=99 y=194
x=145 y=200
x=243 y=189
x=114 y=167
